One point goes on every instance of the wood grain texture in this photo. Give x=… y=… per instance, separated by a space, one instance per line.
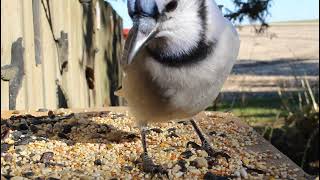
x=40 y=24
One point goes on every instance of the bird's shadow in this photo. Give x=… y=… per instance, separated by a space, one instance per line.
x=71 y=129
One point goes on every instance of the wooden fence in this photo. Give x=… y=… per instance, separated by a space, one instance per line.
x=59 y=54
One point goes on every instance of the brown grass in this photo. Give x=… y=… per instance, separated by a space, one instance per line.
x=275 y=58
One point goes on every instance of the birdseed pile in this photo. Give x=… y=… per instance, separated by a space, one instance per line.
x=106 y=145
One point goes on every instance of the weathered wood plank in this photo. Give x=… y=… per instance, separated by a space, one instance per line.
x=62 y=65
x=5 y=59
x=11 y=11
x=33 y=72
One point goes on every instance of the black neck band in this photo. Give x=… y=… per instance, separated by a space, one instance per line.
x=198 y=53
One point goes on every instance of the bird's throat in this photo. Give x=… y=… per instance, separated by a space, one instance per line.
x=198 y=53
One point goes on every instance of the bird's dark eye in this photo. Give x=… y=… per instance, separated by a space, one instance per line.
x=171 y=6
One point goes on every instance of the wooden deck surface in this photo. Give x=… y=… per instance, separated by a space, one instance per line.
x=261 y=147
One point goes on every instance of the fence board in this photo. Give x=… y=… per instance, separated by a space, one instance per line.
x=58 y=53
x=5 y=58
x=49 y=62
x=10 y=12
x=34 y=93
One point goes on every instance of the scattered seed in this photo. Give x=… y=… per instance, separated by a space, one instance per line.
x=186 y=154
x=157 y=130
x=28 y=174
x=201 y=163
x=24 y=140
x=115 y=145
x=63 y=136
x=46 y=157
x=128 y=168
x=131 y=137
x=67 y=129
x=53 y=178
x=98 y=162
x=34 y=129
x=172 y=135
x=172 y=130
x=51 y=114
x=184 y=122
x=7 y=157
x=194 y=145
x=237 y=174
x=19 y=148
x=254 y=170
x=70 y=142
x=243 y=173
x=182 y=164
x=212 y=133
x=211 y=176
x=23 y=127
x=5 y=133
x=169 y=149
x=39 y=178
x=5 y=147
x=16 y=135
x=211 y=162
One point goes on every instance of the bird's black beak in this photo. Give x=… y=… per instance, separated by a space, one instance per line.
x=144 y=14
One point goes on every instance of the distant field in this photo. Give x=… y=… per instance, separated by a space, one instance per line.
x=297 y=22
x=287 y=52
x=274 y=58
x=286 y=40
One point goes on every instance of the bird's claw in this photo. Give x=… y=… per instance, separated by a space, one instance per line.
x=213 y=153
x=194 y=145
x=154 y=169
x=222 y=154
x=206 y=146
x=149 y=167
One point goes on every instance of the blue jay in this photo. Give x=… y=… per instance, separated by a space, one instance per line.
x=177 y=56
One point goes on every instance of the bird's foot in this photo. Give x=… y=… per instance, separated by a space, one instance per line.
x=149 y=166
x=194 y=145
x=207 y=147
x=216 y=154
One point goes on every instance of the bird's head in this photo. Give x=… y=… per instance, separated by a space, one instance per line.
x=170 y=30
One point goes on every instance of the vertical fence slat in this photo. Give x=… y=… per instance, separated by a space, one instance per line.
x=57 y=52
x=49 y=62
x=33 y=77
x=11 y=11
x=5 y=54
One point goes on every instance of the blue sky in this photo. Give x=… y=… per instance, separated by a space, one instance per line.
x=281 y=10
